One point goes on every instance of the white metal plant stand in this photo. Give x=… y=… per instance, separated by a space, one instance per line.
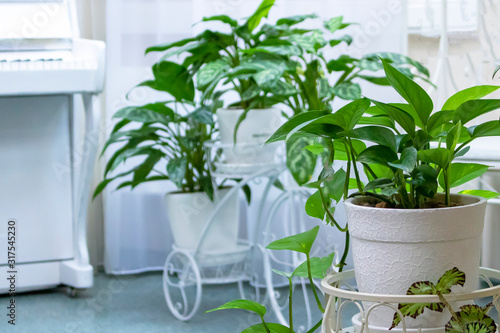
x=185 y=272
x=339 y=293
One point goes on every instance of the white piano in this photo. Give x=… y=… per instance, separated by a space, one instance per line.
x=48 y=75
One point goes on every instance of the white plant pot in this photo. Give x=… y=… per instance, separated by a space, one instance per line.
x=393 y=248
x=188 y=213
x=252 y=134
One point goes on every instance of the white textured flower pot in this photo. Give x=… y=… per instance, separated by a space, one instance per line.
x=393 y=248
x=252 y=134
x=188 y=213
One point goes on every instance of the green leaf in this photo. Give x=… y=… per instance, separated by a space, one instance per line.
x=273 y=328
x=473 y=319
x=349 y=115
x=203 y=115
x=403 y=118
x=294 y=122
x=468 y=94
x=146 y=180
x=453 y=137
x=348 y=91
x=473 y=109
x=126 y=154
x=335 y=23
x=398 y=60
x=299 y=243
x=489 y=128
x=281 y=273
x=439 y=119
x=295 y=19
x=164 y=47
x=376 y=134
x=379 y=183
x=221 y=18
x=150 y=113
x=211 y=72
x=282 y=88
x=300 y=162
x=438 y=156
x=381 y=120
x=410 y=91
x=316 y=149
x=243 y=304
x=143 y=170
x=408 y=160
x=381 y=81
x=319 y=267
x=314 y=206
x=481 y=193
x=176 y=170
x=173 y=79
x=261 y=12
x=377 y=155
x=452 y=277
x=461 y=173
x=424 y=178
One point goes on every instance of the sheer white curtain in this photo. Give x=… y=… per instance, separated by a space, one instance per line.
x=137 y=236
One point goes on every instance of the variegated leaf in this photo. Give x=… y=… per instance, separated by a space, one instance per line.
x=453 y=277
x=472 y=319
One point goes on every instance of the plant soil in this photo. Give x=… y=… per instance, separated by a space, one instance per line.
x=428 y=205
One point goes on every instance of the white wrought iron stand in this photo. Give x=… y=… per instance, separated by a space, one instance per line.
x=339 y=294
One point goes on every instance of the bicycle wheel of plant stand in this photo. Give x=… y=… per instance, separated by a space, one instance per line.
x=182 y=285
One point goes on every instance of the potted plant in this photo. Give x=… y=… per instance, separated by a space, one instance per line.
x=164 y=141
x=400 y=228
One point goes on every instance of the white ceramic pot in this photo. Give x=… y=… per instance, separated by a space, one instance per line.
x=188 y=213
x=393 y=248
x=253 y=132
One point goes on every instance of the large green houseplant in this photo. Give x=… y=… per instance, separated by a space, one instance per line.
x=409 y=160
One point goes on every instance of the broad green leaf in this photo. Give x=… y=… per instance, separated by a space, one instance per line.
x=382 y=136
x=438 y=156
x=453 y=137
x=379 y=183
x=176 y=170
x=461 y=173
x=348 y=91
x=473 y=109
x=410 y=91
x=273 y=328
x=202 y=115
x=299 y=243
x=316 y=149
x=400 y=116
x=346 y=38
x=150 y=113
x=351 y=113
x=295 y=19
x=379 y=80
x=142 y=171
x=422 y=138
x=473 y=319
x=210 y=72
x=468 y=94
x=314 y=206
x=173 y=79
x=282 y=88
x=398 y=59
x=377 y=155
x=221 y=18
x=261 y=12
x=452 y=277
x=300 y=161
x=438 y=119
x=424 y=178
x=294 y=122
x=381 y=171
x=334 y=186
x=489 y=128
x=319 y=267
x=481 y=193
x=343 y=63
x=408 y=160
x=243 y=304
x=125 y=155
x=340 y=152
x=283 y=48
x=335 y=23
x=380 y=120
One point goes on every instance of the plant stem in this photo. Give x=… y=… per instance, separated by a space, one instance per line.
x=446 y=187
x=290 y=306
x=265 y=324
x=346 y=251
x=453 y=313
x=318 y=302
x=358 y=181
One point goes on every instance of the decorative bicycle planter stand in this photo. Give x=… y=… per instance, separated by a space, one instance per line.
x=185 y=272
x=339 y=294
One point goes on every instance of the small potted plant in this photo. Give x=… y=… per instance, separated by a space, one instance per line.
x=164 y=141
x=401 y=228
